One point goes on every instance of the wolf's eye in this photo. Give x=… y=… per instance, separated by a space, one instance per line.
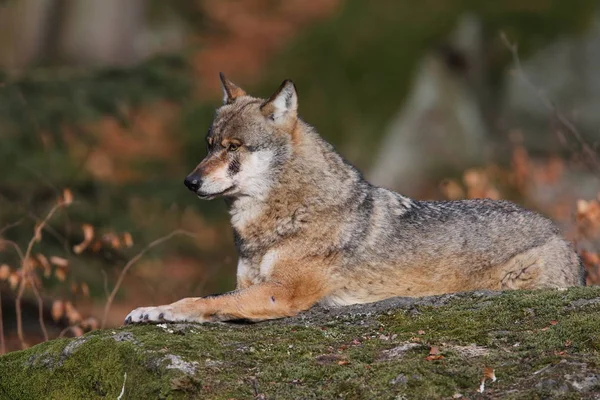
x=232 y=147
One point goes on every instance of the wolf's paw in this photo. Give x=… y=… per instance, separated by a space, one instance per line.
x=152 y=315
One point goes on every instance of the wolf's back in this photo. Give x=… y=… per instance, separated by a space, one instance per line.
x=468 y=240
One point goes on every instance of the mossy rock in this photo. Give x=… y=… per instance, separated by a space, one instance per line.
x=541 y=344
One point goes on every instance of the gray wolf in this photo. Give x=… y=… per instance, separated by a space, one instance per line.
x=309 y=229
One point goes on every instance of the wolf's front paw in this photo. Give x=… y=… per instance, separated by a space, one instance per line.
x=151 y=315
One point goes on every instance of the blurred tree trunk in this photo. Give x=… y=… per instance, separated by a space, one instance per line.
x=442 y=126
x=23 y=25
x=102 y=32
x=78 y=32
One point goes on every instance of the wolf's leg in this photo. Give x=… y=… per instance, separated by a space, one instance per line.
x=262 y=301
x=551 y=265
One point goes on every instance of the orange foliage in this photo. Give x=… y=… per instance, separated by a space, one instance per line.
x=582 y=217
x=149 y=136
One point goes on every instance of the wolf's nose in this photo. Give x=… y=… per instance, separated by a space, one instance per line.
x=192 y=182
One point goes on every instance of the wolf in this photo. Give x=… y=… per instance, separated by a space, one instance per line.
x=310 y=229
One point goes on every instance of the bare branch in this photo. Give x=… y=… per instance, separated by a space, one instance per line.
x=10 y=226
x=123 y=388
x=2 y=341
x=130 y=264
x=20 y=314
x=550 y=106
x=38 y=229
x=25 y=266
x=105 y=276
x=16 y=247
x=40 y=309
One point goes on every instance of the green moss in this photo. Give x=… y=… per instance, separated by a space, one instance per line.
x=516 y=333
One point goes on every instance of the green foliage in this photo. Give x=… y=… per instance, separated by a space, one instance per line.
x=48 y=99
x=35 y=109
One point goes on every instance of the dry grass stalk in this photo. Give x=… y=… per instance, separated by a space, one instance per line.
x=127 y=266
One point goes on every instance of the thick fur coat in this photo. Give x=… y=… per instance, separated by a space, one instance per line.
x=308 y=228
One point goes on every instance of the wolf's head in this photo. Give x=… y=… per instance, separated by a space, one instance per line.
x=248 y=141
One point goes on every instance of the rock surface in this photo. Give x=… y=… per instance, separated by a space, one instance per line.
x=538 y=344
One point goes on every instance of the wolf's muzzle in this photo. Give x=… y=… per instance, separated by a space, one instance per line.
x=192 y=182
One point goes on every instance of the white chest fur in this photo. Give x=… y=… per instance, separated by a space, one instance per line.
x=257 y=272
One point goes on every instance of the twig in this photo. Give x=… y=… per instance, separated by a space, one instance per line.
x=133 y=261
x=19 y=314
x=257 y=395
x=9 y=226
x=40 y=308
x=38 y=228
x=123 y=388
x=2 y=342
x=105 y=276
x=25 y=271
x=35 y=218
x=64 y=331
x=16 y=247
x=539 y=371
x=50 y=229
x=549 y=104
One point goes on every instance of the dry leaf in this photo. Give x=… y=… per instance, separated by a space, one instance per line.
x=128 y=239
x=60 y=274
x=85 y=290
x=90 y=324
x=343 y=362
x=37 y=232
x=4 y=272
x=44 y=263
x=59 y=261
x=14 y=280
x=582 y=206
x=67 y=197
x=488 y=373
x=88 y=236
x=71 y=313
x=115 y=242
x=77 y=331
x=96 y=247
x=58 y=309
x=452 y=190
x=434 y=354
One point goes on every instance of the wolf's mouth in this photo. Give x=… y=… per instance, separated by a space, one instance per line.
x=209 y=196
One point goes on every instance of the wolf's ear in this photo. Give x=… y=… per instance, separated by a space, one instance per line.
x=231 y=91
x=282 y=106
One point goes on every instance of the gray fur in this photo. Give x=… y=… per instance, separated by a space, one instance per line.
x=320 y=206
x=310 y=229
